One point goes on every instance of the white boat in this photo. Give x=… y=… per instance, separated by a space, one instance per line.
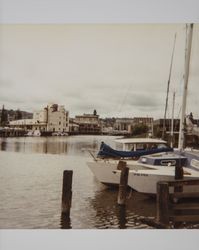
x=145 y=180
x=103 y=167
x=162 y=168
x=34 y=133
x=59 y=134
x=30 y=133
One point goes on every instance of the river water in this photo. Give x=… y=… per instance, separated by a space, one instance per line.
x=31 y=172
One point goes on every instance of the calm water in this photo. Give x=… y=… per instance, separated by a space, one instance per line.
x=31 y=171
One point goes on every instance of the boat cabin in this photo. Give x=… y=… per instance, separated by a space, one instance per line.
x=164 y=160
x=134 y=144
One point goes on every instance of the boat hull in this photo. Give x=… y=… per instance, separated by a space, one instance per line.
x=107 y=173
x=146 y=182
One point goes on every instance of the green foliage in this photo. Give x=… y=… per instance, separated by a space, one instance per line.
x=139 y=129
x=18 y=115
x=4 y=117
x=95 y=112
x=157 y=131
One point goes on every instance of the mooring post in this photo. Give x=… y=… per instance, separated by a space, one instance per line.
x=163 y=203
x=121 y=200
x=178 y=176
x=67 y=192
x=121 y=165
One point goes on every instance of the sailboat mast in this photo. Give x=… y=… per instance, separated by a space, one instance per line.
x=168 y=85
x=185 y=89
x=172 y=120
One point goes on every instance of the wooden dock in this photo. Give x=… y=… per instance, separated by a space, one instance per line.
x=10 y=132
x=174 y=210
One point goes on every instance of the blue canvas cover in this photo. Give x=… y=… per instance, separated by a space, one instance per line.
x=107 y=152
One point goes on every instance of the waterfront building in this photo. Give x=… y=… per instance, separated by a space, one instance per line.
x=123 y=125
x=27 y=124
x=147 y=121
x=57 y=118
x=88 y=123
x=158 y=126
x=53 y=118
x=143 y=120
x=107 y=125
x=73 y=127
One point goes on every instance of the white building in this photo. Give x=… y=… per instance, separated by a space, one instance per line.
x=53 y=118
x=57 y=118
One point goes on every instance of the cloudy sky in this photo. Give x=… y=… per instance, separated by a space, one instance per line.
x=118 y=69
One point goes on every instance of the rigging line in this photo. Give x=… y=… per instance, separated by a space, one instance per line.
x=124 y=98
x=168 y=85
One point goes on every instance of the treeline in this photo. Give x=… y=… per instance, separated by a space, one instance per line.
x=11 y=115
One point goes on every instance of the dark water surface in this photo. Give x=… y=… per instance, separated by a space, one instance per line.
x=31 y=172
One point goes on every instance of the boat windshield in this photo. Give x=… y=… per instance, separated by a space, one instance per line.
x=162 y=145
x=145 y=146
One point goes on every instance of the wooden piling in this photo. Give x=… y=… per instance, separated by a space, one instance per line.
x=163 y=203
x=121 y=200
x=67 y=192
x=178 y=176
x=121 y=165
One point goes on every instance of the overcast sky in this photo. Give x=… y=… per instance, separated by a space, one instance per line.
x=120 y=70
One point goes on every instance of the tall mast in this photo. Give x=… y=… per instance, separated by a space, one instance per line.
x=172 y=120
x=184 y=97
x=168 y=85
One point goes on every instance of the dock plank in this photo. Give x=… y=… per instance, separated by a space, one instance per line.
x=185 y=218
x=185 y=195
x=187 y=206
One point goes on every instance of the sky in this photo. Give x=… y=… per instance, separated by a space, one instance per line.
x=121 y=70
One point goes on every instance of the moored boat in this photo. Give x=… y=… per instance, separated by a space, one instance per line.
x=162 y=168
x=145 y=181
x=107 y=160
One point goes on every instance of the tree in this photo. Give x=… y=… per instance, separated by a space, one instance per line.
x=18 y=114
x=139 y=129
x=95 y=112
x=4 y=117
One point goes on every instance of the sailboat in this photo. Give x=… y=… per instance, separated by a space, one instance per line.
x=145 y=180
x=105 y=165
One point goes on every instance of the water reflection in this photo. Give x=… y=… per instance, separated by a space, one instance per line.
x=110 y=215
x=3 y=145
x=35 y=176
x=65 y=222
x=55 y=145
x=121 y=211
x=17 y=146
x=50 y=145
